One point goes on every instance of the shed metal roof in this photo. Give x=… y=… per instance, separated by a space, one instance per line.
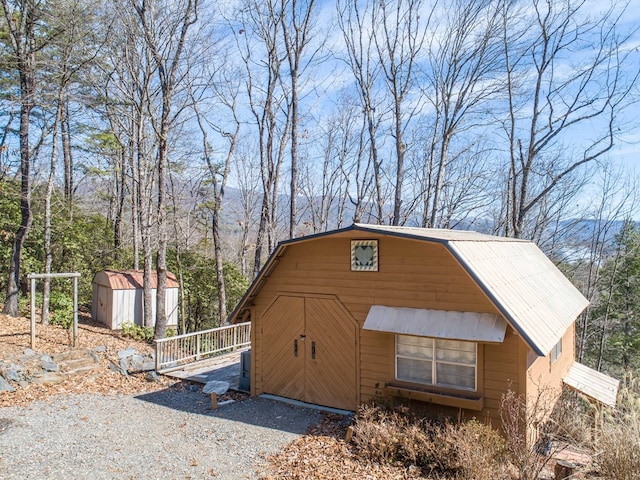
x=593 y=384
x=535 y=298
x=130 y=279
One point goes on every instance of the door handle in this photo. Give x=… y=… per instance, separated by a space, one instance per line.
x=313 y=350
x=295 y=348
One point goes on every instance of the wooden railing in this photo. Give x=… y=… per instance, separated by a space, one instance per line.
x=174 y=352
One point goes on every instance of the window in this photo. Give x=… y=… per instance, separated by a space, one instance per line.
x=433 y=361
x=364 y=255
x=556 y=351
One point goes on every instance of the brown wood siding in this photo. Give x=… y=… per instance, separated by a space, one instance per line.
x=414 y=274
x=545 y=378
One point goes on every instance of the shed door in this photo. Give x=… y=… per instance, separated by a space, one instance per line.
x=310 y=351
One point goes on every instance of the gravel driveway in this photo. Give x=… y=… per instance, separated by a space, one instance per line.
x=170 y=434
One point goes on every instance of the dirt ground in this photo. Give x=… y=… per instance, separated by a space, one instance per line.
x=15 y=337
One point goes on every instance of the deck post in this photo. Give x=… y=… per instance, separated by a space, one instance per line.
x=157 y=359
x=235 y=338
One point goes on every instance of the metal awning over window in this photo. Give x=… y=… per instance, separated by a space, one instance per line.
x=470 y=326
x=593 y=384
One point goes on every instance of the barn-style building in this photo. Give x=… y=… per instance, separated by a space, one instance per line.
x=450 y=318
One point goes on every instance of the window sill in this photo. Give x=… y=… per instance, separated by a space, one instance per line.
x=449 y=400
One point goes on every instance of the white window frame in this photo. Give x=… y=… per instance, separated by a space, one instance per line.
x=435 y=362
x=556 y=351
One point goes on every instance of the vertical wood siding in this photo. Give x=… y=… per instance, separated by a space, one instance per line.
x=413 y=274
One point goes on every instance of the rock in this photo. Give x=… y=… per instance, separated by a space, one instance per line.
x=13 y=373
x=215 y=386
x=134 y=363
x=139 y=363
x=4 y=385
x=100 y=349
x=127 y=352
x=46 y=358
x=70 y=355
x=49 y=377
x=29 y=353
x=76 y=362
x=123 y=366
x=50 y=366
x=151 y=376
x=149 y=364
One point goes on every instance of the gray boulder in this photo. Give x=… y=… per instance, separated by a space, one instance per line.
x=127 y=352
x=216 y=386
x=4 y=385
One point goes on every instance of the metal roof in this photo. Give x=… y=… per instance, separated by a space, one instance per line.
x=528 y=289
x=130 y=279
x=470 y=326
x=593 y=384
x=535 y=298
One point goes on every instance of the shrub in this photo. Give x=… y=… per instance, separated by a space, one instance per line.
x=617 y=441
x=481 y=451
x=60 y=309
x=392 y=435
x=137 y=332
x=143 y=334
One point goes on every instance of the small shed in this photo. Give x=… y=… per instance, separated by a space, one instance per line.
x=118 y=298
x=450 y=319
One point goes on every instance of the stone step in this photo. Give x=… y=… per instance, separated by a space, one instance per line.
x=69 y=365
x=80 y=370
x=73 y=354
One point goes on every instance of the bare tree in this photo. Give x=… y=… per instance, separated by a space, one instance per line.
x=298 y=20
x=21 y=18
x=260 y=45
x=226 y=90
x=568 y=71
x=399 y=35
x=462 y=81
x=248 y=180
x=357 y=25
x=611 y=205
x=166 y=37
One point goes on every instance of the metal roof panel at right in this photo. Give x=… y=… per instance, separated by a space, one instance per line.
x=534 y=295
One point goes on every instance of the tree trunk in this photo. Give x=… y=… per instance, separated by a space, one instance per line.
x=26 y=66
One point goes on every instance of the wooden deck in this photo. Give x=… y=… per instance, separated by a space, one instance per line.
x=224 y=368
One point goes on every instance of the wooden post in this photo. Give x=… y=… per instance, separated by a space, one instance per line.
x=214 y=401
x=75 y=312
x=157 y=355
x=349 y=436
x=33 y=277
x=33 y=313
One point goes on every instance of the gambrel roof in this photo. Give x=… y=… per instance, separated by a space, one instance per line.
x=530 y=292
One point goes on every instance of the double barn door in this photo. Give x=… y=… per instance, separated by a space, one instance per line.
x=309 y=351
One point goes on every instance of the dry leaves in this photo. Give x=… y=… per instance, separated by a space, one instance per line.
x=323 y=454
x=15 y=337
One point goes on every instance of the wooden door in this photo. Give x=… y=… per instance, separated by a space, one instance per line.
x=330 y=363
x=309 y=351
x=283 y=352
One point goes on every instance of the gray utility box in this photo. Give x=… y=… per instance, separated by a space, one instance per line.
x=245 y=371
